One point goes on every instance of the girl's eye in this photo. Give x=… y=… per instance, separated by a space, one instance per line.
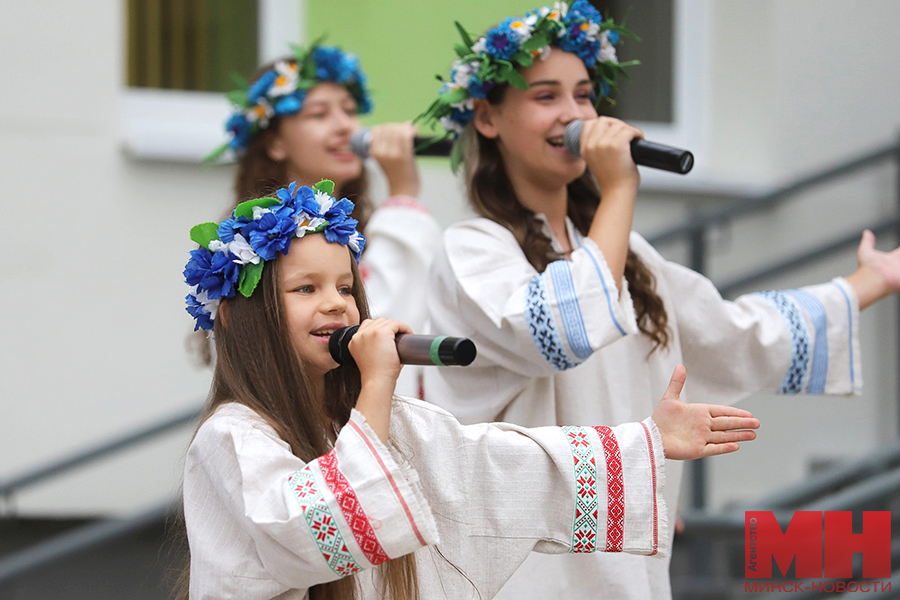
x=304 y=289
x=350 y=110
x=543 y=97
x=346 y=291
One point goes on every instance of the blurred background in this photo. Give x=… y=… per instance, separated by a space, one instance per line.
x=789 y=106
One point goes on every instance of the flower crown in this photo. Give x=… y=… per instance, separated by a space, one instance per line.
x=282 y=89
x=516 y=42
x=232 y=253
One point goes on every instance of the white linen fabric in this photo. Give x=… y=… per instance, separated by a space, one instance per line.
x=402 y=239
x=563 y=347
x=263 y=524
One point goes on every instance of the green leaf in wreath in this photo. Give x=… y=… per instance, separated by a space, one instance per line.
x=326 y=186
x=204 y=233
x=245 y=209
x=462 y=32
x=516 y=80
x=249 y=277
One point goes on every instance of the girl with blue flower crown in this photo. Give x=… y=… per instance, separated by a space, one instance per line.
x=576 y=317
x=294 y=122
x=307 y=479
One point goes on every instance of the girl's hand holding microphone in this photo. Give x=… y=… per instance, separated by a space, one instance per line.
x=392 y=147
x=374 y=349
x=606 y=147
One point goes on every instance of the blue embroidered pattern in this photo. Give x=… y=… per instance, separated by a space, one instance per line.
x=567 y=299
x=818 y=372
x=800 y=351
x=609 y=303
x=541 y=326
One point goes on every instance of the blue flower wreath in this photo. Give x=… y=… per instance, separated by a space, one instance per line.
x=232 y=253
x=495 y=58
x=282 y=89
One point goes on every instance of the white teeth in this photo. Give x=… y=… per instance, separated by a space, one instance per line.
x=555 y=141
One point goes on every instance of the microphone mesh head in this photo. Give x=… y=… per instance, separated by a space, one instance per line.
x=359 y=142
x=572 y=137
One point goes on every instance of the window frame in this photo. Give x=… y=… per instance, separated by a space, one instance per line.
x=184 y=126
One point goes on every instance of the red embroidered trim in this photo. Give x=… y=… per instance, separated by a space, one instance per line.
x=405 y=202
x=350 y=507
x=615 y=490
x=653 y=470
x=390 y=479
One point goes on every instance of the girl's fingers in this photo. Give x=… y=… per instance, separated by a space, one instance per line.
x=676 y=382
x=717 y=449
x=717 y=410
x=723 y=437
x=726 y=423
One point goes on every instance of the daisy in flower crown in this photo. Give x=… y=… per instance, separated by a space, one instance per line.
x=233 y=253
x=516 y=43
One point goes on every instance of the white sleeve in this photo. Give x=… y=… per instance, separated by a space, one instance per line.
x=345 y=511
x=500 y=491
x=788 y=341
x=401 y=241
x=531 y=323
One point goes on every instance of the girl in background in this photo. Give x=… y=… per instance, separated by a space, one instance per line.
x=311 y=480
x=576 y=317
x=294 y=123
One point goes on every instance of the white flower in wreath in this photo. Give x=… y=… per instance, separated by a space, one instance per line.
x=479 y=47
x=592 y=30
x=451 y=125
x=354 y=242
x=307 y=223
x=522 y=28
x=325 y=202
x=467 y=104
x=242 y=250
x=259 y=211
x=286 y=81
x=607 y=50
x=260 y=113
x=211 y=306
x=542 y=53
x=462 y=72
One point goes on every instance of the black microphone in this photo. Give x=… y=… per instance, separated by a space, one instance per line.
x=413 y=349
x=362 y=137
x=647 y=154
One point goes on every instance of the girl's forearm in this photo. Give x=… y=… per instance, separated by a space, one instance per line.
x=611 y=229
x=375 y=405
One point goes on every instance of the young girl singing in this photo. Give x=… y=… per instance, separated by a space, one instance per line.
x=294 y=123
x=311 y=480
x=576 y=318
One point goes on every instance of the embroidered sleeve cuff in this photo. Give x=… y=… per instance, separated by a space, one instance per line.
x=615 y=316
x=359 y=508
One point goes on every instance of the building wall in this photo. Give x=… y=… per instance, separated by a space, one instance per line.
x=94 y=329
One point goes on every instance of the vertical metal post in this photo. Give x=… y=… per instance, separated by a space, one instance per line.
x=897 y=242
x=698 y=467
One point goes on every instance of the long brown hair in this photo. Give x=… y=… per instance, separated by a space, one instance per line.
x=252 y=338
x=491 y=195
x=259 y=175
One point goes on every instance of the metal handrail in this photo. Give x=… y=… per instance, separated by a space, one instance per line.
x=90 y=454
x=79 y=540
x=702 y=219
x=847 y=241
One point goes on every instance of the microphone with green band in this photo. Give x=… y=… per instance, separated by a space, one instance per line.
x=439 y=350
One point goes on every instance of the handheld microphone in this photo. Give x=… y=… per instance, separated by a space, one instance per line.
x=438 y=350
x=647 y=154
x=362 y=138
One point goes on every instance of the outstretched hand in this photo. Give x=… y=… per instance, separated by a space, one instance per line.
x=878 y=274
x=696 y=430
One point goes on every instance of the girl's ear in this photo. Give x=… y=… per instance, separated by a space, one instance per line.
x=222 y=314
x=484 y=119
x=276 y=148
